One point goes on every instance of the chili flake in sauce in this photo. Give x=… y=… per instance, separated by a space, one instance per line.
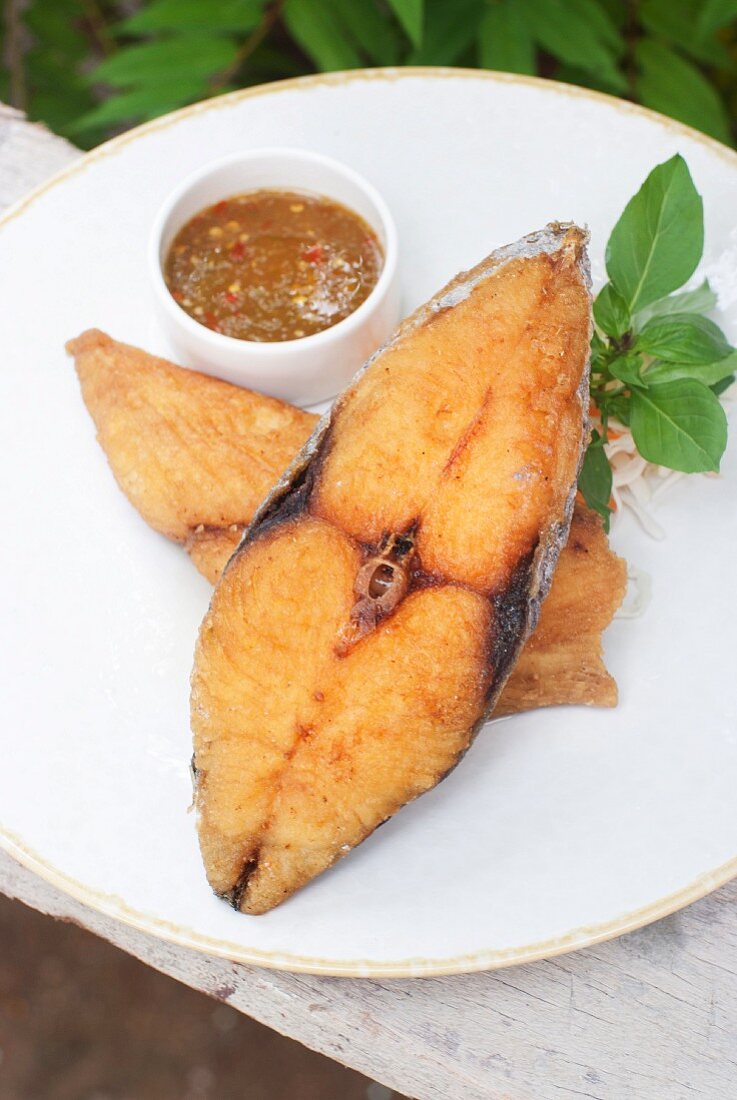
x=273 y=265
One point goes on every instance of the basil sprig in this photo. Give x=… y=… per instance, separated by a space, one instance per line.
x=658 y=364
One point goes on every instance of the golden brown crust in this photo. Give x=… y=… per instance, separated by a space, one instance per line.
x=353 y=647
x=186 y=449
x=210 y=549
x=560 y=664
x=480 y=434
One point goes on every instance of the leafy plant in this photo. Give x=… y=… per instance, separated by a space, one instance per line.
x=91 y=67
x=658 y=364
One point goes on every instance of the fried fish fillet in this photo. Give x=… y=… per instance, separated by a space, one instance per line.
x=193 y=455
x=127 y=389
x=370 y=618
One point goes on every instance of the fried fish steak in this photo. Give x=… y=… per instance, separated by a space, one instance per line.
x=192 y=454
x=561 y=663
x=367 y=624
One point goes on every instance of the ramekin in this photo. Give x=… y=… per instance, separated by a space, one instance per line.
x=306 y=370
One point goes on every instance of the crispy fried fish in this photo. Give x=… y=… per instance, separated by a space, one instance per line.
x=368 y=622
x=192 y=454
x=560 y=664
x=562 y=660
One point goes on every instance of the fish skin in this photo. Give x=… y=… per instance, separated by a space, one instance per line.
x=268 y=873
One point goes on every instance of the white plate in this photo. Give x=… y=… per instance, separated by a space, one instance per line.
x=559 y=828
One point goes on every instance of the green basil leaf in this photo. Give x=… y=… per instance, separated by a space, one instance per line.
x=700 y=300
x=724 y=384
x=709 y=374
x=627 y=368
x=657 y=242
x=410 y=14
x=157 y=62
x=312 y=25
x=619 y=407
x=686 y=338
x=672 y=85
x=610 y=311
x=572 y=32
x=715 y=14
x=595 y=479
x=680 y=425
x=505 y=42
x=182 y=16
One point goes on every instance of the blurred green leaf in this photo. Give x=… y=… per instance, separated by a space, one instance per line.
x=269 y=63
x=716 y=14
x=601 y=21
x=505 y=42
x=313 y=26
x=450 y=29
x=59 y=111
x=140 y=105
x=369 y=30
x=617 y=12
x=567 y=30
x=678 y=24
x=571 y=74
x=160 y=62
x=195 y=15
x=672 y=85
x=72 y=47
x=719 y=388
x=58 y=50
x=56 y=29
x=410 y=14
x=57 y=96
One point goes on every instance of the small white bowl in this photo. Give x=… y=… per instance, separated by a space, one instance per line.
x=305 y=370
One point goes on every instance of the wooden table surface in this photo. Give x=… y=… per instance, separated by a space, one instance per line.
x=650 y=1015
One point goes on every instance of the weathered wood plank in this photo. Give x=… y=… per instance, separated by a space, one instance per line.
x=651 y=1016
x=29 y=154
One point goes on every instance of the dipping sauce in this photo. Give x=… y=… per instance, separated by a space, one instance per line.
x=273 y=265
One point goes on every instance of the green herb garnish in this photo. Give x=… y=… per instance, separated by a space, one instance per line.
x=658 y=364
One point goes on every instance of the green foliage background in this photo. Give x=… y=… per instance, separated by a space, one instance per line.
x=89 y=68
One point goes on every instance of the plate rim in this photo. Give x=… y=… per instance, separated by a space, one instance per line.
x=110 y=905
